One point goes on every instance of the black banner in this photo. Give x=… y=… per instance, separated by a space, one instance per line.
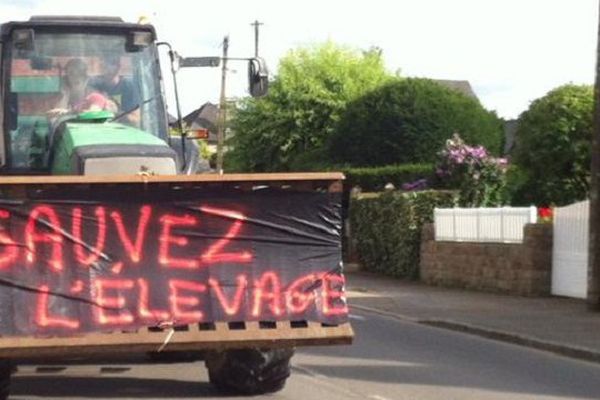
x=92 y=264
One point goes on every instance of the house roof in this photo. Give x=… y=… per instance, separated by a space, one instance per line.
x=462 y=86
x=510 y=135
x=171 y=119
x=205 y=117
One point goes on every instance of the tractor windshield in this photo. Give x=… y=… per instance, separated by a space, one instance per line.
x=66 y=74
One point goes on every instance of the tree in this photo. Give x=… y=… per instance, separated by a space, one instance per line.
x=407 y=121
x=554 y=147
x=288 y=128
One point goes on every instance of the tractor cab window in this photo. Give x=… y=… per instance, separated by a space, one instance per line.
x=68 y=74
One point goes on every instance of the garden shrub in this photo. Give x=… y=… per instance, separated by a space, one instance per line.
x=479 y=177
x=386 y=229
x=554 y=147
x=407 y=121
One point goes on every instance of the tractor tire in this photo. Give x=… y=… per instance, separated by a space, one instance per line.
x=249 y=371
x=174 y=356
x=6 y=369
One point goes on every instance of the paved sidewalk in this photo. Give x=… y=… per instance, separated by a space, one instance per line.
x=556 y=324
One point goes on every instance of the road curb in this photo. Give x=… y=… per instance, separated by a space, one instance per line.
x=576 y=352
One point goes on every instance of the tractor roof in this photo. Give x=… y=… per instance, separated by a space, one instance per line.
x=75 y=23
x=74 y=18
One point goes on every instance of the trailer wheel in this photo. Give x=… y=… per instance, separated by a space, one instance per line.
x=249 y=371
x=6 y=369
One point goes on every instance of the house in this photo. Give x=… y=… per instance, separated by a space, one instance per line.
x=510 y=135
x=462 y=86
x=172 y=121
x=205 y=117
x=510 y=126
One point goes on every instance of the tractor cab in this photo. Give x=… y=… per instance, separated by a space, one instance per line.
x=82 y=96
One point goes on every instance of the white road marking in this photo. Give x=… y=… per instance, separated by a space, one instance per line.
x=377 y=397
x=357 y=317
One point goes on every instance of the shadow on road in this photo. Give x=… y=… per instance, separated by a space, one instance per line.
x=109 y=387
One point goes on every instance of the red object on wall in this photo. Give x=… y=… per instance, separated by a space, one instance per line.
x=545 y=214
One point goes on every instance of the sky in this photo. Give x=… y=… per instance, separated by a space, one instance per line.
x=511 y=51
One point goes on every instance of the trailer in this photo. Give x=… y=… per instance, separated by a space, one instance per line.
x=113 y=238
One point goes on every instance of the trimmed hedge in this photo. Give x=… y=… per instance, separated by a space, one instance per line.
x=386 y=229
x=375 y=178
x=408 y=120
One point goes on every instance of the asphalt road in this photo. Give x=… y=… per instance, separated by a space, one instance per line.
x=390 y=359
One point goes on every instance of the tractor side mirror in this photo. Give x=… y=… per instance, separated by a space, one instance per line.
x=138 y=40
x=258 y=77
x=23 y=39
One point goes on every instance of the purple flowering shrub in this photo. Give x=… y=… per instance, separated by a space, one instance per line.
x=479 y=177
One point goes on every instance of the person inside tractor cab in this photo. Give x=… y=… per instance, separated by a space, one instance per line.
x=77 y=95
x=120 y=89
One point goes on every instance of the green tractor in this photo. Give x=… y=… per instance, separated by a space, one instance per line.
x=84 y=112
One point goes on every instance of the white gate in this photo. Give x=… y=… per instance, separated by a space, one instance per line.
x=570 y=250
x=496 y=225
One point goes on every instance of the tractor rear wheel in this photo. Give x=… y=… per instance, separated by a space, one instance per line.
x=249 y=371
x=6 y=369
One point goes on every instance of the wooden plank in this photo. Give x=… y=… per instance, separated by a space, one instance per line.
x=76 y=179
x=252 y=325
x=144 y=340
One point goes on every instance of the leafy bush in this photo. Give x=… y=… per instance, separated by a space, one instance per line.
x=386 y=229
x=204 y=150
x=406 y=121
x=516 y=187
x=284 y=130
x=375 y=178
x=554 y=147
x=480 y=178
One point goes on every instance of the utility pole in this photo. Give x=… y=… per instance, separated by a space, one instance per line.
x=256 y=24
x=593 y=297
x=222 y=108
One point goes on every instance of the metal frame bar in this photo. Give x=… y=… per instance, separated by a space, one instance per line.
x=221 y=335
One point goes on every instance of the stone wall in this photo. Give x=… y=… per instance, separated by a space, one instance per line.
x=522 y=269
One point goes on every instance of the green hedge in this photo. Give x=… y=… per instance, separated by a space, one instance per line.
x=386 y=229
x=375 y=178
x=408 y=120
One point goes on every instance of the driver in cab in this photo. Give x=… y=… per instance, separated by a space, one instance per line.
x=77 y=95
x=119 y=89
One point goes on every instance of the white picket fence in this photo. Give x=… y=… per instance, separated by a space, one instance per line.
x=570 y=250
x=503 y=225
